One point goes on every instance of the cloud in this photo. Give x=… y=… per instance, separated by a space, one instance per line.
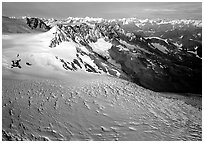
x=157 y=10
x=179 y=10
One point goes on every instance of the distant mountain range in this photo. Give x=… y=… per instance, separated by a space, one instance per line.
x=161 y=55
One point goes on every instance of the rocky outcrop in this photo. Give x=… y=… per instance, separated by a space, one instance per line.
x=16 y=63
x=36 y=23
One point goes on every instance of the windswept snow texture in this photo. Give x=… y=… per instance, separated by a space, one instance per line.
x=93 y=108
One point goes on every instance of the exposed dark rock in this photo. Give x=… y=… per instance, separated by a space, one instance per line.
x=65 y=65
x=16 y=63
x=29 y=64
x=73 y=66
x=89 y=68
x=36 y=23
x=77 y=63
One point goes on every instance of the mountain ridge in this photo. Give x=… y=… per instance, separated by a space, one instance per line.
x=152 y=62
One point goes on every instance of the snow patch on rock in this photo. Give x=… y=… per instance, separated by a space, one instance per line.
x=160 y=47
x=101 y=47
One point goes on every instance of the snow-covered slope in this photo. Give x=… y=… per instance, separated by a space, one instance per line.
x=86 y=107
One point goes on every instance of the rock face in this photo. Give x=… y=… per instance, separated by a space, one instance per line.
x=16 y=63
x=155 y=63
x=36 y=23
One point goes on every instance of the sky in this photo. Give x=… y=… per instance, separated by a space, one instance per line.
x=108 y=10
